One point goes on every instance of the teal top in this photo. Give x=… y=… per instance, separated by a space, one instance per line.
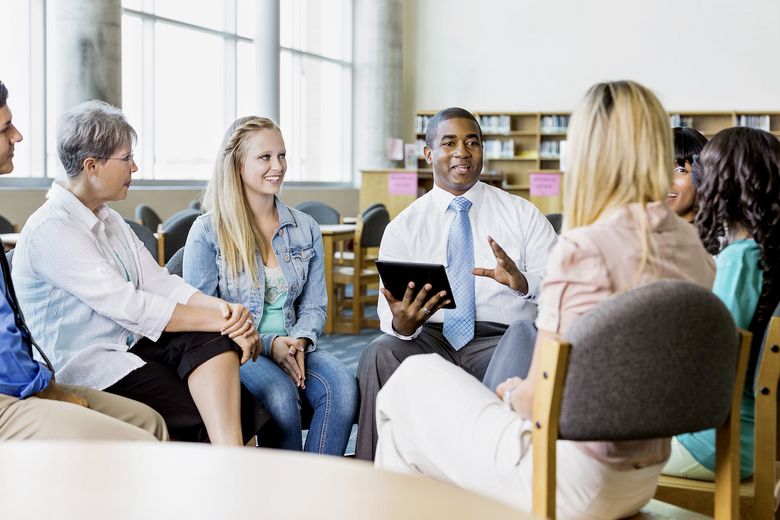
x=738 y=282
x=272 y=321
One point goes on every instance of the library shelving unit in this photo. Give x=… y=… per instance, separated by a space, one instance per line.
x=522 y=148
x=710 y=123
x=518 y=145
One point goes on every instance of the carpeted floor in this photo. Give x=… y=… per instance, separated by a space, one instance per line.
x=348 y=348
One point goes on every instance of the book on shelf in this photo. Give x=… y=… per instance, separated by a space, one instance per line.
x=678 y=120
x=550 y=149
x=554 y=124
x=499 y=148
x=495 y=124
x=421 y=123
x=761 y=122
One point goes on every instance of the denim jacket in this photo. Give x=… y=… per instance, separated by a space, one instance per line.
x=297 y=243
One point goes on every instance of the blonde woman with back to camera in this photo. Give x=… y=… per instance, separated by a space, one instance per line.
x=618 y=234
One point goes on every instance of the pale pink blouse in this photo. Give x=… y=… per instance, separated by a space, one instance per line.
x=592 y=263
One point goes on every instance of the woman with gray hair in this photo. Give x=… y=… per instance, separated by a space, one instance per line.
x=108 y=316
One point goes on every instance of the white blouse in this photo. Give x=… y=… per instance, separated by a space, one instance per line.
x=90 y=289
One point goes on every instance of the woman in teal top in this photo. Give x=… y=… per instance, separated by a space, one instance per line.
x=739 y=218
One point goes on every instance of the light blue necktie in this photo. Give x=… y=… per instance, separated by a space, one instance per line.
x=459 y=322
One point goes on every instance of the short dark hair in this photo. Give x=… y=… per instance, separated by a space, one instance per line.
x=446 y=115
x=3 y=94
x=687 y=144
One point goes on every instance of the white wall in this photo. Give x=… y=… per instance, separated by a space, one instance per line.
x=541 y=55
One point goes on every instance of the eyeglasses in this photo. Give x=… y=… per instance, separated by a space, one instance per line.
x=128 y=159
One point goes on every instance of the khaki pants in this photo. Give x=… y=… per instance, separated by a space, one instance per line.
x=109 y=417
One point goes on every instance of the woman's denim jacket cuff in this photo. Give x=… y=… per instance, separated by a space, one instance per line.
x=267 y=340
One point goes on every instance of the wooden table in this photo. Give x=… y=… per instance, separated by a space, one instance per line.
x=332 y=234
x=10 y=240
x=98 y=480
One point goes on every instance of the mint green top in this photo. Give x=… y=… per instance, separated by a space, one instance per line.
x=738 y=282
x=272 y=321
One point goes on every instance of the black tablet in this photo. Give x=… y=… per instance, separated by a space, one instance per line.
x=397 y=275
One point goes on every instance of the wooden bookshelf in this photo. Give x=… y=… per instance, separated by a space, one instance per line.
x=518 y=144
x=710 y=123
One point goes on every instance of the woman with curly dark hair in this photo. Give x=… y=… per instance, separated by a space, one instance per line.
x=739 y=220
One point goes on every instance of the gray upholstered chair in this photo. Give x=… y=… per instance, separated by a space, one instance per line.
x=174 y=231
x=176 y=264
x=556 y=219
x=759 y=495
x=320 y=212
x=145 y=215
x=655 y=361
x=146 y=236
x=6 y=226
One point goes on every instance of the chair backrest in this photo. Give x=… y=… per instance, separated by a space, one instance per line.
x=371 y=207
x=373 y=225
x=320 y=212
x=556 y=219
x=146 y=236
x=766 y=426
x=176 y=230
x=176 y=264
x=6 y=226
x=655 y=361
x=145 y=215
x=195 y=204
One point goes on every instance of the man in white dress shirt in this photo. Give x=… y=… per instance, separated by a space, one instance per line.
x=495 y=277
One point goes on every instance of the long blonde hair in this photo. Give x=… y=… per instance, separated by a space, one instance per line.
x=237 y=233
x=620 y=151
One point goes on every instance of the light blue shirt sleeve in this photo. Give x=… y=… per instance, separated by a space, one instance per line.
x=20 y=375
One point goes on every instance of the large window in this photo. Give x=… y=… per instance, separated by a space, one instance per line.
x=316 y=88
x=188 y=70
x=22 y=70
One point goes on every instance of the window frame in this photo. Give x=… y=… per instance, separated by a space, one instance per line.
x=39 y=156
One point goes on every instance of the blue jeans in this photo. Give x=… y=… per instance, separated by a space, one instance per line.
x=330 y=399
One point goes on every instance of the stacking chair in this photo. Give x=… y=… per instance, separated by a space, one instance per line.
x=145 y=215
x=373 y=207
x=759 y=495
x=360 y=274
x=320 y=212
x=656 y=361
x=173 y=232
x=147 y=237
x=6 y=226
x=556 y=219
x=380 y=218
x=176 y=264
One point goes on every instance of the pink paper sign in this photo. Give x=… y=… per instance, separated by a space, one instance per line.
x=402 y=183
x=545 y=184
